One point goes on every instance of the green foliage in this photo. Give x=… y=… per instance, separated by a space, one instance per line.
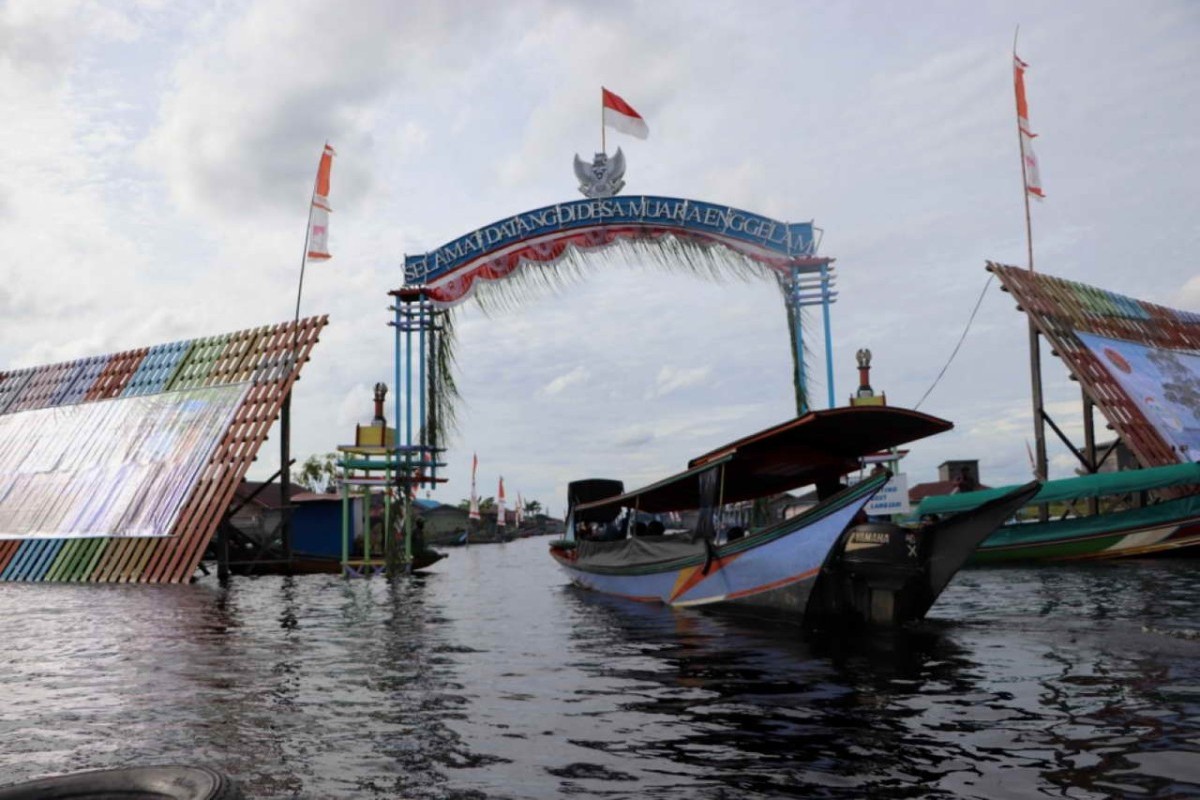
x=318 y=473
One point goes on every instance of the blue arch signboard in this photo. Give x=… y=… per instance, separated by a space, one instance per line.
x=448 y=274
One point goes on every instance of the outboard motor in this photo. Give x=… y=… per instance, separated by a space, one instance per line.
x=886 y=574
x=878 y=571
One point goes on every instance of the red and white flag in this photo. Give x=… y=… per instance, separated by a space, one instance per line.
x=620 y=115
x=518 y=512
x=318 y=217
x=500 y=504
x=1033 y=178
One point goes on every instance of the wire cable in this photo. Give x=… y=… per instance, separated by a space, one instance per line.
x=974 y=311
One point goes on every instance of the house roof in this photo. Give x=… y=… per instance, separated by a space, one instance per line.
x=270 y=496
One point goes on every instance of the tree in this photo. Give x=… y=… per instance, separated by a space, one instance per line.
x=532 y=507
x=485 y=503
x=319 y=473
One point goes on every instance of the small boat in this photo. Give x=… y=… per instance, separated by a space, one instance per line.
x=1166 y=527
x=822 y=567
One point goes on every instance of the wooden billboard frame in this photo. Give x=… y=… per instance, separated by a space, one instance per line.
x=269 y=358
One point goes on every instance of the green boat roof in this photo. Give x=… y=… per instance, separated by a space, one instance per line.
x=1098 y=485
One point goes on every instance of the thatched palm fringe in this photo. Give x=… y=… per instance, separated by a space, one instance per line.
x=538 y=278
x=442 y=390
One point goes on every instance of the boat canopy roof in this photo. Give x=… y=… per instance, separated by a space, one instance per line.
x=818 y=447
x=1100 y=484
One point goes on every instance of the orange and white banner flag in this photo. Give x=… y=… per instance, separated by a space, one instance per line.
x=318 y=217
x=1033 y=177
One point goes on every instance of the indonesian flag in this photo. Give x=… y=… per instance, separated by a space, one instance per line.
x=518 y=514
x=473 y=513
x=1033 y=178
x=620 y=115
x=318 y=217
x=500 y=504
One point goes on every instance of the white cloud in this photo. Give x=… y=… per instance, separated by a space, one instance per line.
x=161 y=158
x=672 y=379
x=1189 y=295
x=562 y=382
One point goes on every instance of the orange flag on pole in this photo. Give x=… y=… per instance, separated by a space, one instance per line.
x=318 y=217
x=1033 y=178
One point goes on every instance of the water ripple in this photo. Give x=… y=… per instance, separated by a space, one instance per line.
x=492 y=678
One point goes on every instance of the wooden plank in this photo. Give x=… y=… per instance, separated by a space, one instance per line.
x=74 y=554
x=142 y=550
x=112 y=557
x=8 y=549
x=88 y=571
x=17 y=554
x=30 y=550
x=65 y=554
x=42 y=559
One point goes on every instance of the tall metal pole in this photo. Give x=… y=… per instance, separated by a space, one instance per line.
x=285 y=413
x=603 y=145
x=1035 y=353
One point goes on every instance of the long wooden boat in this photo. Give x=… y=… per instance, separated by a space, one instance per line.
x=818 y=568
x=1169 y=526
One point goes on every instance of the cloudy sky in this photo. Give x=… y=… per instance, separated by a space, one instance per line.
x=160 y=156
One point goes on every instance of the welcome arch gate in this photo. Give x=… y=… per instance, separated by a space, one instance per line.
x=675 y=227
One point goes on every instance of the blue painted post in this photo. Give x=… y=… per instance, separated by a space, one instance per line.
x=825 y=301
x=408 y=415
x=396 y=383
x=422 y=418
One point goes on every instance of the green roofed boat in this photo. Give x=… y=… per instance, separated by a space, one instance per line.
x=1167 y=526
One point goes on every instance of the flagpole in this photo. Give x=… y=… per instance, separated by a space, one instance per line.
x=603 y=146
x=285 y=411
x=307 y=233
x=1024 y=173
x=1041 y=467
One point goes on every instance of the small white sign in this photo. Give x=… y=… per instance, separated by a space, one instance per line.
x=891 y=499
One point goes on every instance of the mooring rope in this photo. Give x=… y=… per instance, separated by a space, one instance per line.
x=957 y=346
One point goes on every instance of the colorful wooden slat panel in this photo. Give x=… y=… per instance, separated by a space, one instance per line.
x=1060 y=308
x=88 y=567
x=11 y=386
x=7 y=551
x=13 y=553
x=156 y=369
x=73 y=387
x=269 y=358
x=16 y=567
x=117 y=371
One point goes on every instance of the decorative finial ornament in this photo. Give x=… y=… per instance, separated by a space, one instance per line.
x=380 y=392
x=864 y=358
x=603 y=177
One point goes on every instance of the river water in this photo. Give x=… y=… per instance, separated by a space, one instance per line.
x=491 y=677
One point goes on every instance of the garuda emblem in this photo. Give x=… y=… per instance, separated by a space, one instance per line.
x=603 y=177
